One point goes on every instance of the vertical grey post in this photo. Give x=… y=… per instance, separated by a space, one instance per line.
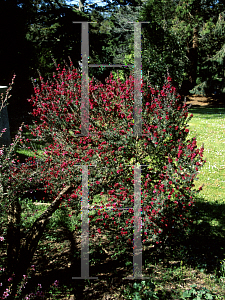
x=84 y=228
x=84 y=225
x=137 y=80
x=85 y=80
x=137 y=242
x=137 y=249
x=4 y=121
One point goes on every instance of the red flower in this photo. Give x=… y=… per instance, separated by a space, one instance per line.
x=179 y=153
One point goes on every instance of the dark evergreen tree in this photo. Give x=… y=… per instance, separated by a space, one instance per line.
x=162 y=50
x=212 y=75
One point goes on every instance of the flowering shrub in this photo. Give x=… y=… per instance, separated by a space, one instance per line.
x=113 y=150
x=173 y=162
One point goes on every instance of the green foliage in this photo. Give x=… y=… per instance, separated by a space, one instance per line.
x=141 y=290
x=61 y=219
x=222 y=269
x=198 y=294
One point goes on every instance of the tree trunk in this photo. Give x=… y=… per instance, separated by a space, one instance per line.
x=192 y=54
x=20 y=253
x=81 y=5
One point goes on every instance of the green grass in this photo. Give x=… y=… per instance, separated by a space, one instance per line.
x=208 y=124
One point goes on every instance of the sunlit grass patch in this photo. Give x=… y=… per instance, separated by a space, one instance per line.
x=208 y=126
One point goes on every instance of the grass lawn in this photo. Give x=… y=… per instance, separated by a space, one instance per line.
x=209 y=127
x=195 y=262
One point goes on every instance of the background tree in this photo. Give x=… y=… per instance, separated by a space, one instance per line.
x=162 y=51
x=193 y=21
x=120 y=33
x=176 y=40
x=211 y=75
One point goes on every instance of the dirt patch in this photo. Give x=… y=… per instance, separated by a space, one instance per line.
x=210 y=101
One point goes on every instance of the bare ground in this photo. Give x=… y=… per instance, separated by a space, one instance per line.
x=210 y=101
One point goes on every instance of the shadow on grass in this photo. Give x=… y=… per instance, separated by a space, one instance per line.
x=207 y=110
x=203 y=247
x=206 y=245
